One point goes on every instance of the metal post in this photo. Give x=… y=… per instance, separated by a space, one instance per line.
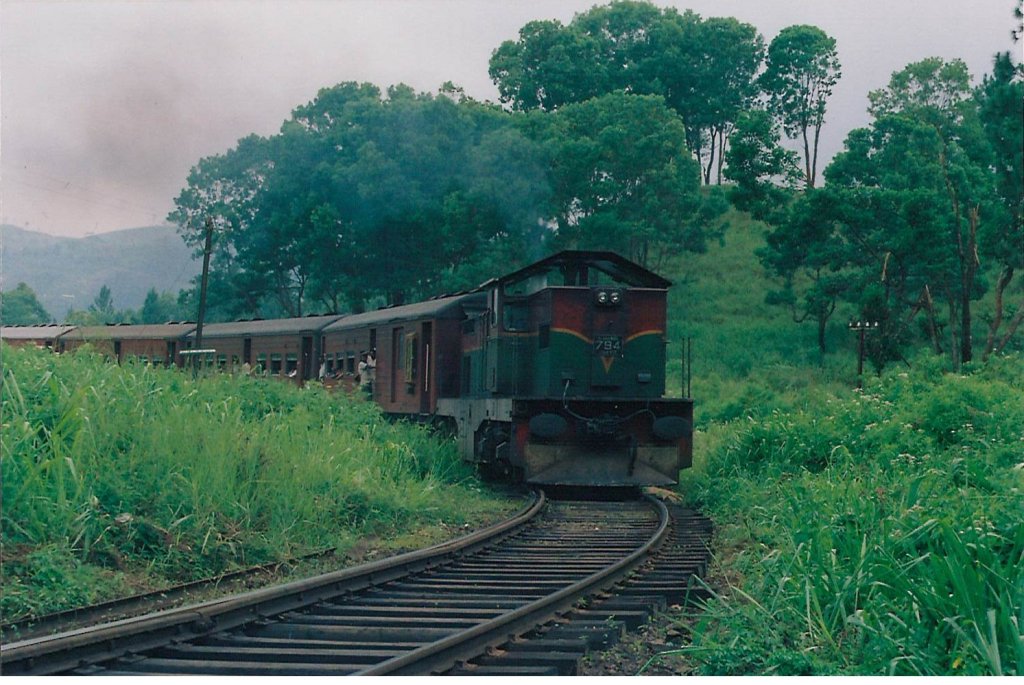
x=862 y=327
x=202 y=288
x=689 y=364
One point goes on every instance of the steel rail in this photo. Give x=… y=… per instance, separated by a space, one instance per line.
x=446 y=653
x=37 y=625
x=78 y=648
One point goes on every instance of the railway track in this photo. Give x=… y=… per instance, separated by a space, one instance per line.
x=528 y=596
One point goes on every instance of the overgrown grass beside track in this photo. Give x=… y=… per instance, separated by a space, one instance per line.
x=120 y=476
x=872 y=532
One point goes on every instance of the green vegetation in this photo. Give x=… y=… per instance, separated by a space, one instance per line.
x=21 y=307
x=856 y=532
x=873 y=532
x=116 y=477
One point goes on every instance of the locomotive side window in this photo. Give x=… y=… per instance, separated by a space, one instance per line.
x=517 y=316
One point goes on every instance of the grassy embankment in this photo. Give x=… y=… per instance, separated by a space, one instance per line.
x=118 y=479
x=858 y=532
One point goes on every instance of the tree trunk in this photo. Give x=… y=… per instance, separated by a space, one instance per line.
x=822 y=321
x=997 y=320
x=807 y=161
x=814 y=156
x=1012 y=328
x=721 y=155
x=954 y=342
x=711 y=158
x=932 y=327
x=968 y=268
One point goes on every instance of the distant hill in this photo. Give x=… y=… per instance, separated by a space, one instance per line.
x=67 y=272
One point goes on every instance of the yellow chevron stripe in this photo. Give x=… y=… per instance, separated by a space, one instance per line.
x=653 y=331
x=573 y=333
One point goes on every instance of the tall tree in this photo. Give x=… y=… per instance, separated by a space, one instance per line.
x=158 y=308
x=103 y=304
x=21 y=307
x=764 y=174
x=703 y=69
x=624 y=181
x=549 y=66
x=801 y=71
x=361 y=196
x=915 y=197
x=1001 y=105
x=938 y=94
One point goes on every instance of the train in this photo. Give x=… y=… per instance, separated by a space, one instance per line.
x=551 y=375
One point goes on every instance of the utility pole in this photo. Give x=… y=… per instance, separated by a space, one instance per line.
x=861 y=327
x=202 y=286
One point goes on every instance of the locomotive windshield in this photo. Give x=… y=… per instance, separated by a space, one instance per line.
x=580 y=269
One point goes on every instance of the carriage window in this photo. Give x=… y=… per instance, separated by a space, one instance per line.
x=222 y=361
x=350 y=365
x=291 y=362
x=411 y=358
x=275 y=363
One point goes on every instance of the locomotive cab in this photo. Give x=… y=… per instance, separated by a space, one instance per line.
x=564 y=373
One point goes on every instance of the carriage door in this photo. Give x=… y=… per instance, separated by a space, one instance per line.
x=247 y=351
x=307 y=357
x=397 y=360
x=426 y=369
x=172 y=353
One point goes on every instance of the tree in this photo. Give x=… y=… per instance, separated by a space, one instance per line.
x=364 y=196
x=801 y=71
x=765 y=174
x=159 y=308
x=21 y=307
x=103 y=305
x=937 y=94
x=703 y=69
x=722 y=56
x=623 y=179
x=549 y=66
x=915 y=198
x=1001 y=107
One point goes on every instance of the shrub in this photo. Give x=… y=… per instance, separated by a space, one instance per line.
x=879 y=532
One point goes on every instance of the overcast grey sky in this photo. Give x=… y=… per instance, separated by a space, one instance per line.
x=107 y=105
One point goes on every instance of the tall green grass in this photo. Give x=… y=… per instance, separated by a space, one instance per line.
x=748 y=357
x=875 y=532
x=114 y=469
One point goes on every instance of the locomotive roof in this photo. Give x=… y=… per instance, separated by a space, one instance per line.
x=47 y=331
x=616 y=266
x=440 y=308
x=131 y=331
x=258 y=327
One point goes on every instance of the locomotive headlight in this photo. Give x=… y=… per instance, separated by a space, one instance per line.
x=602 y=297
x=616 y=297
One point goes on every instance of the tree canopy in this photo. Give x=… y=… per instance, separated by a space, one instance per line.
x=802 y=70
x=704 y=69
x=21 y=307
